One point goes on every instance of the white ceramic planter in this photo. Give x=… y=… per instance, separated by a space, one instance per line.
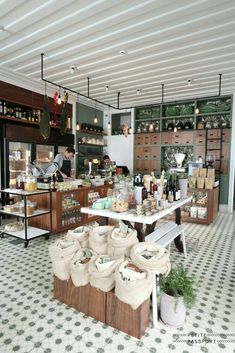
x=183 y=185
x=172 y=310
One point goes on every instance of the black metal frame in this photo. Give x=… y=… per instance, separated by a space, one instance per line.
x=25 y=217
x=118 y=93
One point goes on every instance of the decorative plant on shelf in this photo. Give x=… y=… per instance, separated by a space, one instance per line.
x=44 y=124
x=178 y=294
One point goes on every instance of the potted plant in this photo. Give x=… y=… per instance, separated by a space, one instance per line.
x=178 y=294
x=183 y=184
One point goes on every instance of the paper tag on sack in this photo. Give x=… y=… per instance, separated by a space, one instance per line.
x=123 y=228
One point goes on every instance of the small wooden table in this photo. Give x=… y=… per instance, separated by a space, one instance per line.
x=129 y=217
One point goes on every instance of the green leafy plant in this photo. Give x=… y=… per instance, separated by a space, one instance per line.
x=179 y=284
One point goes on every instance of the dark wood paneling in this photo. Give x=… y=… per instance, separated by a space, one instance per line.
x=28 y=134
x=22 y=96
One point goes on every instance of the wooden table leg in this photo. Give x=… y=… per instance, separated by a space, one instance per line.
x=177 y=240
x=103 y=221
x=139 y=229
x=150 y=228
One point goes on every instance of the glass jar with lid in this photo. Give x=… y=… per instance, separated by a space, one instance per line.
x=20 y=182
x=30 y=184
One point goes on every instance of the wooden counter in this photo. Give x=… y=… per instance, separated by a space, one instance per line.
x=67 y=217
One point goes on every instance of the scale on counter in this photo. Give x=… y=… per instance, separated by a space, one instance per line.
x=179 y=157
x=43 y=173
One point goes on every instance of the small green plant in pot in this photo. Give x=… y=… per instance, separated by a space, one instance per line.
x=178 y=294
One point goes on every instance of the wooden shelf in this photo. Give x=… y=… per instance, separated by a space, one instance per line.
x=26 y=122
x=178 y=116
x=91 y=132
x=214 y=113
x=91 y=144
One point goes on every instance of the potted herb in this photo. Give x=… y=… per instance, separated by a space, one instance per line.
x=178 y=295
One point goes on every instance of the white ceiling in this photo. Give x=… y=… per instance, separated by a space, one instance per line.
x=167 y=42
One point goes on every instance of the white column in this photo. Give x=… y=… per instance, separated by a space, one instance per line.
x=232 y=161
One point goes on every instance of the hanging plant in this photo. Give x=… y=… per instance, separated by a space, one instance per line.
x=44 y=123
x=64 y=115
x=55 y=102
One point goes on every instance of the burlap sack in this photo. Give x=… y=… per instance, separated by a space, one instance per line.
x=151 y=257
x=81 y=234
x=132 y=291
x=79 y=267
x=119 y=244
x=61 y=253
x=98 y=238
x=102 y=276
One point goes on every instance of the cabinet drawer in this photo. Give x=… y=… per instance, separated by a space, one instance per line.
x=138 y=165
x=199 y=151
x=200 y=133
x=166 y=138
x=155 y=152
x=139 y=152
x=187 y=137
x=226 y=135
x=138 y=140
x=155 y=139
x=213 y=133
x=177 y=138
x=155 y=165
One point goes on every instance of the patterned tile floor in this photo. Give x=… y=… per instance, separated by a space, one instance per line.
x=32 y=321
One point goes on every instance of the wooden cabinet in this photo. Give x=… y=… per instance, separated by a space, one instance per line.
x=211 y=206
x=200 y=137
x=66 y=216
x=166 y=138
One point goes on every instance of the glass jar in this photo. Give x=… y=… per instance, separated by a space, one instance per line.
x=20 y=182
x=30 y=184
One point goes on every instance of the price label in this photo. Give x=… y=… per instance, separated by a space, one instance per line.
x=123 y=228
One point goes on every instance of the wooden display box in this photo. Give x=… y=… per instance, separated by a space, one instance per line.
x=122 y=317
x=87 y=299
x=105 y=307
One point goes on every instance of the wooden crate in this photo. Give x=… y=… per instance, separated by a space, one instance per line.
x=87 y=299
x=122 y=317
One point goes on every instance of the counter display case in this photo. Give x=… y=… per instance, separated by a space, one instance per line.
x=66 y=207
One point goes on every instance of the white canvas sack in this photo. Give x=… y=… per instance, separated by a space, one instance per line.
x=98 y=239
x=151 y=257
x=61 y=253
x=133 y=286
x=79 y=267
x=81 y=234
x=102 y=271
x=119 y=243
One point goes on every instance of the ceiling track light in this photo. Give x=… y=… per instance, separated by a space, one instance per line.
x=72 y=69
x=189 y=82
x=95 y=117
x=106 y=88
x=138 y=91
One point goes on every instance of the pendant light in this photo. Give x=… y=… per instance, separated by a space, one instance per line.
x=77 y=125
x=59 y=98
x=109 y=123
x=95 y=117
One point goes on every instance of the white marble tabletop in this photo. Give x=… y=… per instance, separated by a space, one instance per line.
x=132 y=217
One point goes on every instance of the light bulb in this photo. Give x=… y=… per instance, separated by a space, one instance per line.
x=77 y=127
x=95 y=120
x=59 y=100
x=175 y=129
x=130 y=130
x=197 y=111
x=109 y=125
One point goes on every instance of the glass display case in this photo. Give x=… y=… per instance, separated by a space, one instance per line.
x=19 y=158
x=44 y=154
